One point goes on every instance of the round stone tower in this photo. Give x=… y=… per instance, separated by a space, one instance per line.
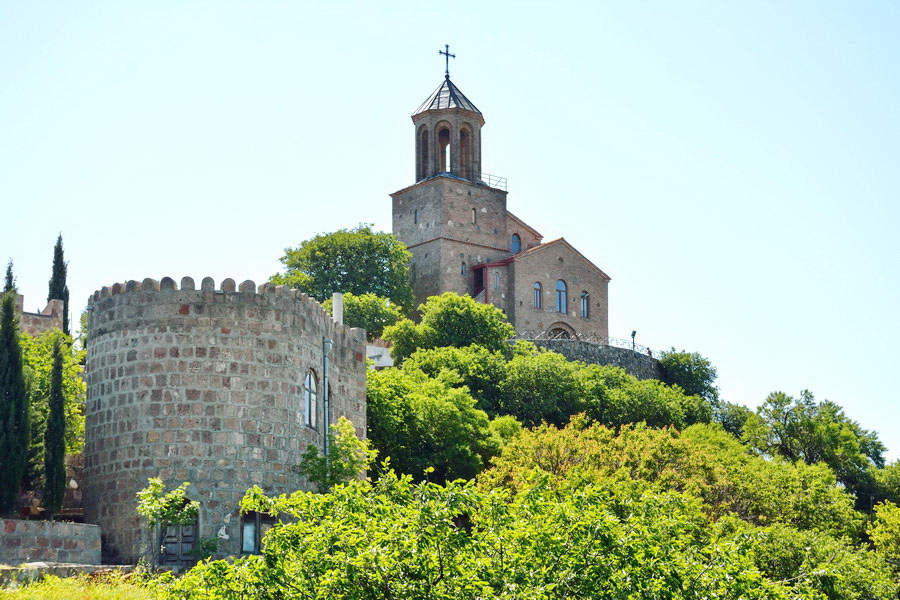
x=222 y=387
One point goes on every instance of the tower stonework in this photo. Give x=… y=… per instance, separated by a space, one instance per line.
x=464 y=240
x=222 y=387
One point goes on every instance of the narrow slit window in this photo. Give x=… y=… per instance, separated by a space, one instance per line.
x=537 y=294
x=585 y=305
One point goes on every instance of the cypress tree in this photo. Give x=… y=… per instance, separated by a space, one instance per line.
x=58 y=288
x=14 y=421
x=10 y=284
x=54 y=437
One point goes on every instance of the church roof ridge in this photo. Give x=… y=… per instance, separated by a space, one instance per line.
x=447 y=95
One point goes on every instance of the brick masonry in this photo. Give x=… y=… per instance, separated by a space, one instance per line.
x=49 y=541
x=635 y=363
x=207 y=386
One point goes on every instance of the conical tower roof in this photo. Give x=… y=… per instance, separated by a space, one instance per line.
x=447 y=95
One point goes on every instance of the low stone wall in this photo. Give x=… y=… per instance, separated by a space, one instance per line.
x=49 y=541
x=639 y=365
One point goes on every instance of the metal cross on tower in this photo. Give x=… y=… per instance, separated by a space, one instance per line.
x=447 y=56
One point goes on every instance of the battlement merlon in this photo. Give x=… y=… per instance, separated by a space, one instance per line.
x=265 y=292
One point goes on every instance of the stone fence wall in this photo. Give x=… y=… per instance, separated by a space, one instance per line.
x=639 y=365
x=49 y=541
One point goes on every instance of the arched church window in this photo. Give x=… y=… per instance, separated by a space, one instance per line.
x=462 y=268
x=444 y=149
x=585 y=305
x=496 y=281
x=416 y=216
x=562 y=299
x=516 y=245
x=474 y=216
x=537 y=294
x=310 y=398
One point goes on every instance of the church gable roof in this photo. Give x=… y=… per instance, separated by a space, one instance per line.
x=447 y=95
x=524 y=256
x=525 y=225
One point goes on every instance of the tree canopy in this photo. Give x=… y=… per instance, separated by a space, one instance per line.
x=801 y=429
x=57 y=289
x=403 y=540
x=450 y=320
x=15 y=423
x=358 y=261
x=691 y=372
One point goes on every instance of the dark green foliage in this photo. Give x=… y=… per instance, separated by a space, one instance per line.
x=542 y=386
x=14 y=414
x=423 y=423
x=37 y=361
x=358 y=261
x=10 y=284
x=451 y=320
x=368 y=311
x=481 y=370
x=58 y=288
x=801 y=429
x=691 y=372
x=732 y=417
x=55 y=437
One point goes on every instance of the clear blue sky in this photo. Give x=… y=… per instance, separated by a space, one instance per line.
x=732 y=166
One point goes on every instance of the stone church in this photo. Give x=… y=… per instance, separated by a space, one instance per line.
x=464 y=240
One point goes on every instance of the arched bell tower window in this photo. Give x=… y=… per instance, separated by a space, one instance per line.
x=561 y=296
x=422 y=158
x=465 y=153
x=443 y=139
x=516 y=245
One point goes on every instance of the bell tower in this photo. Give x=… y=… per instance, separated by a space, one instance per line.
x=449 y=218
x=448 y=132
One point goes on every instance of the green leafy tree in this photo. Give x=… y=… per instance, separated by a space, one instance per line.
x=37 y=356
x=348 y=457
x=887 y=482
x=358 y=261
x=543 y=386
x=479 y=369
x=451 y=320
x=10 y=283
x=422 y=422
x=14 y=413
x=613 y=397
x=372 y=313
x=691 y=372
x=884 y=531
x=732 y=417
x=58 y=290
x=402 y=540
x=801 y=429
x=55 y=437
x=704 y=461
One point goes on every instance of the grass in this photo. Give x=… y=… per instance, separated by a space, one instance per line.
x=97 y=587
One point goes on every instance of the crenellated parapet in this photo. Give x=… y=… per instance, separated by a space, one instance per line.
x=222 y=386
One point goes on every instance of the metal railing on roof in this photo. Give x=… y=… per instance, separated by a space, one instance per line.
x=494 y=181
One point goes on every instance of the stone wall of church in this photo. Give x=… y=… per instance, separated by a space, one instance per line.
x=207 y=386
x=635 y=363
x=547 y=266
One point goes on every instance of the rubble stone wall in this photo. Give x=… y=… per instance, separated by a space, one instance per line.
x=635 y=363
x=207 y=386
x=48 y=541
